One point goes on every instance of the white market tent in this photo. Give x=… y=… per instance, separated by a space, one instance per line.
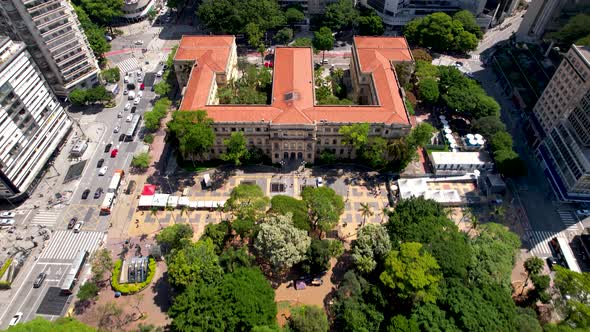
x=145 y=201
x=160 y=200
x=173 y=201
x=183 y=201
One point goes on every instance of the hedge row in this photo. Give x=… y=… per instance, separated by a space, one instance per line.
x=132 y=288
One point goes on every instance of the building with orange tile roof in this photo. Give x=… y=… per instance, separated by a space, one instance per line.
x=294 y=126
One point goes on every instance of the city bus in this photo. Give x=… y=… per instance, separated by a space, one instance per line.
x=116 y=181
x=133 y=127
x=564 y=253
x=69 y=282
x=107 y=204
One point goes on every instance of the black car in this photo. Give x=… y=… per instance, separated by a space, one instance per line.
x=85 y=193
x=72 y=222
x=133 y=109
x=97 y=193
x=99 y=164
x=107 y=148
x=121 y=137
x=39 y=281
x=551 y=261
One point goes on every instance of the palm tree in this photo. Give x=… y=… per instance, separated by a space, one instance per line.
x=170 y=208
x=184 y=210
x=366 y=211
x=220 y=209
x=498 y=213
x=154 y=213
x=533 y=265
x=384 y=213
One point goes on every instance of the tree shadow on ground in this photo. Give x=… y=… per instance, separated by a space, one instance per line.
x=162 y=293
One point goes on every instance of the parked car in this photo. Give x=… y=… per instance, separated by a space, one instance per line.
x=98 y=193
x=127 y=107
x=136 y=101
x=159 y=73
x=140 y=94
x=7 y=214
x=139 y=42
x=39 y=281
x=103 y=171
x=133 y=109
x=319 y=181
x=99 y=164
x=129 y=117
x=72 y=222
x=125 y=92
x=85 y=193
x=583 y=213
x=15 y=319
x=116 y=129
x=142 y=86
x=317 y=282
x=552 y=261
x=107 y=147
x=78 y=226
x=6 y=222
x=114 y=153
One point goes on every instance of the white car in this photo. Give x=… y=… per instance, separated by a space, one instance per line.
x=103 y=171
x=139 y=79
x=159 y=73
x=125 y=92
x=116 y=130
x=139 y=42
x=6 y=222
x=120 y=114
x=126 y=79
x=7 y=214
x=129 y=117
x=319 y=182
x=15 y=319
x=136 y=101
x=140 y=94
x=78 y=226
x=127 y=106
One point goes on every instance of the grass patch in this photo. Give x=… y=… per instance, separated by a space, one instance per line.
x=5 y=266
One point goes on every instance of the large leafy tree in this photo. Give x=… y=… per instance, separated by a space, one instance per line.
x=370 y=25
x=101 y=262
x=340 y=15
x=428 y=90
x=501 y=140
x=323 y=40
x=324 y=206
x=371 y=246
x=240 y=301
x=374 y=152
x=103 y=11
x=284 y=36
x=280 y=243
x=141 y=160
x=575 y=304
x=247 y=201
x=197 y=261
x=193 y=131
x=318 y=255
x=294 y=15
x=175 y=237
x=468 y=22
x=355 y=135
x=308 y=318
x=281 y=204
x=237 y=148
x=420 y=135
x=488 y=126
x=577 y=28
x=412 y=274
x=440 y=32
x=232 y=16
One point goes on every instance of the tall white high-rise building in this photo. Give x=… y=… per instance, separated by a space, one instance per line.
x=32 y=121
x=53 y=36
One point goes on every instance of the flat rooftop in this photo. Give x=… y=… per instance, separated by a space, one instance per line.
x=460 y=158
x=293 y=95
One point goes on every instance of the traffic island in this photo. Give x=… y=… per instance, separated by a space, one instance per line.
x=133 y=275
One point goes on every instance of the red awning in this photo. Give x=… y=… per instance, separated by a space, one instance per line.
x=149 y=190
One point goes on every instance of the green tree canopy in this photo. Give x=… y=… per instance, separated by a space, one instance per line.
x=238 y=302
x=232 y=259
x=88 y=291
x=374 y=153
x=77 y=97
x=370 y=25
x=355 y=135
x=111 y=75
x=175 y=237
x=578 y=27
x=488 y=126
x=284 y=36
x=412 y=274
x=440 y=32
x=426 y=70
x=308 y=318
x=237 y=148
x=255 y=35
x=318 y=256
x=574 y=287
x=371 y=246
x=141 y=160
x=468 y=22
x=324 y=206
x=281 y=204
x=280 y=243
x=302 y=42
x=340 y=15
x=218 y=234
x=103 y=11
x=420 y=135
x=162 y=88
x=232 y=16
x=196 y=261
x=323 y=40
x=193 y=131
x=509 y=163
x=428 y=90
x=94 y=33
x=294 y=15
x=501 y=140
x=247 y=201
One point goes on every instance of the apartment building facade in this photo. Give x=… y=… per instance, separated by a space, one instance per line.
x=52 y=33
x=549 y=15
x=293 y=127
x=32 y=121
x=563 y=111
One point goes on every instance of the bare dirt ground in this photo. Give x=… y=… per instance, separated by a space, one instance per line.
x=153 y=302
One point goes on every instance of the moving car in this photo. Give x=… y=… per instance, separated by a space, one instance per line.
x=78 y=226
x=85 y=193
x=99 y=164
x=103 y=170
x=120 y=114
x=6 y=222
x=136 y=101
x=97 y=193
x=121 y=137
x=116 y=129
x=7 y=214
x=129 y=117
x=139 y=42
x=114 y=153
x=127 y=106
x=107 y=147
x=133 y=109
x=39 y=281
x=125 y=92
x=15 y=319
x=72 y=222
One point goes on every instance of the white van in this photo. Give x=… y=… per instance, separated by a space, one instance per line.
x=131 y=95
x=207 y=180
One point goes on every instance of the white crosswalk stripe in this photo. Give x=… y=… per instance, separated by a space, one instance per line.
x=474 y=56
x=46 y=218
x=539 y=241
x=128 y=65
x=569 y=219
x=64 y=245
